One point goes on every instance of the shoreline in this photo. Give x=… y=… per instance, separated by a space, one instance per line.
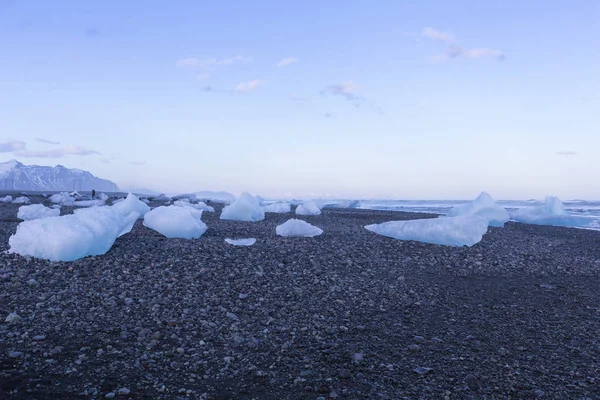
x=346 y=315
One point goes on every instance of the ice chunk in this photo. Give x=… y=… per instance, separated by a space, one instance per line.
x=6 y=199
x=343 y=204
x=215 y=197
x=161 y=197
x=88 y=203
x=241 y=242
x=36 y=211
x=297 y=227
x=279 y=208
x=198 y=206
x=132 y=203
x=102 y=197
x=552 y=212
x=176 y=222
x=89 y=231
x=483 y=206
x=245 y=208
x=21 y=200
x=464 y=230
x=63 y=199
x=308 y=208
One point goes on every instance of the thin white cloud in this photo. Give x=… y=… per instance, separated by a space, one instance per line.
x=246 y=87
x=46 y=141
x=458 y=52
x=431 y=33
x=11 y=146
x=59 y=153
x=344 y=89
x=287 y=61
x=567 y=153
x=211 y=62
x=138 y=163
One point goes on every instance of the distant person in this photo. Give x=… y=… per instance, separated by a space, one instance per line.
x=93 y=194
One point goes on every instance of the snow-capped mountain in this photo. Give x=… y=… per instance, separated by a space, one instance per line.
x=17 y=176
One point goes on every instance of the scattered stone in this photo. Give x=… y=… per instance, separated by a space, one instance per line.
x=345 y=373
x=471 y=380
x=358 y=357
x=39 y=337
x=414 y=348
x=539 y=393
x=109 y=395
x=123 y=391
x=423 y=370
x=15 y=354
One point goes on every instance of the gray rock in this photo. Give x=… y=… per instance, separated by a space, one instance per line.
x=414 y=348
x=15 y=354
x=423 y=370
x=123 y=391
x=471 y=380
x=345 y=373
x=109 y=395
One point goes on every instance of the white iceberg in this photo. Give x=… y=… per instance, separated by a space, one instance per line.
x=198 y=206
x=279 y=208
x=21 y=200
x=308 y=208
x=215 y=197
x=89 y=231
x=6 y=199
x=36 y=211
x=297 y=227
x=176 y=222
x=552 y=212
x=88 y=203
x=132 y=203
x=64 y=199
x=483 y=206
x=241 y=242
x=343 y=204
x=464 y=230
x=102 y=197
x=245 y=208
x=161 y=197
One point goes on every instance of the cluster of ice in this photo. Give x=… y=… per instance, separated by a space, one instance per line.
x=103 y=197
x=215 y=197
x=552 y=212
x=198 y=206
x=88 y=231
x=36 y=211
x=279 y=208
x=176 y=222
x=483 y=206
x=88 y=203
x=21 y=200
x=464 y=230
x=241 y=242
x=245 y=208
x=6 y=199
x=64 y=199
x=297 y=227
x=308 y=208
x=161 y=197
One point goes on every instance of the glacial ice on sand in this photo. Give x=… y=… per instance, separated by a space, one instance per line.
x=36 y=211
x=132 y=203
x=297 y=227
x=245 y=208
x=308 y=208
x=241 y=242
x=21 y=200
x=464 y=230
x=102 y=197
x=176 y=222
x=6 y=199
x=279 y=207
x=552 y=212
x=88 y=231
x=88 y=203
x=198 y=206
x=64 y=199
x=483 y=206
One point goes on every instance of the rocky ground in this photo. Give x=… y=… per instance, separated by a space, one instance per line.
x=346 y=315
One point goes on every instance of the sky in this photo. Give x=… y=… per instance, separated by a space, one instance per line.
x=344 y=99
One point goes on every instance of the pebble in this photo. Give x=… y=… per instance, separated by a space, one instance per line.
x=242 y=296
x=39 y=337
x=471 y=380
x=109 y=395
x=423 y=370
x=15 y=354
x=539 y=393
x=345 y=373
x=415 y=348
x=123 y=391
x=358 y=357
x=419 y=339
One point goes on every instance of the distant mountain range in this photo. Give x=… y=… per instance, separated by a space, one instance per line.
x=17 y=176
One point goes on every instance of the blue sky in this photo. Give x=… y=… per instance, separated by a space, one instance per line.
x=386 y=99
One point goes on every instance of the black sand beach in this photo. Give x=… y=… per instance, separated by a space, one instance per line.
x=345 y=315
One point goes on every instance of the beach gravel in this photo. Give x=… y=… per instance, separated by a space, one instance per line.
x=346 y=315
